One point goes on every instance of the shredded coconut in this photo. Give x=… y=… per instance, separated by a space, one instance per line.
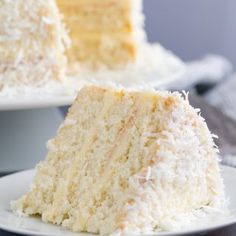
x=176 y=167
x=33 y=41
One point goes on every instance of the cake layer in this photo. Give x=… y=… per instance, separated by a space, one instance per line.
x=125 y=162
x=97 y=16
x=98 y=5
x=100 y=22
x=112 y=23
x=95 y=50
x=31 y=32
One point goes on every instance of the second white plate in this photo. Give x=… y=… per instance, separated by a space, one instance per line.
x=31 y=98
x=33 y=102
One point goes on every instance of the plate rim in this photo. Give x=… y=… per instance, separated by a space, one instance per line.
x=45 y=100
x=34 y=102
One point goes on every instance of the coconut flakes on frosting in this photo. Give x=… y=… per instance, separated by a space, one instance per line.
x=33 y=40
x=153 y=181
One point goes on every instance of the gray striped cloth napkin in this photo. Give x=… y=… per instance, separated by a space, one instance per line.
x=223 y=97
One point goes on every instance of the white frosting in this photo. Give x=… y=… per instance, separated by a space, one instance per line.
x=34 y=32
x=165 y=194
x=175 y=168
x=138 y=21
x=50 y=145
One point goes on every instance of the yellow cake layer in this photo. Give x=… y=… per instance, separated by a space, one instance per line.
x=96 y=5
x=96 y=49
x=97 y=16
x=111 y=24
x=125 y=162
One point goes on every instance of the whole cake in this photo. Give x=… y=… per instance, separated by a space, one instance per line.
x=126 y=162
x=103 y=32
x=32 y=41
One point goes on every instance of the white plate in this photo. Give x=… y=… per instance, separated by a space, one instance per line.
x=43 y=98
x=32 y=102
x=13 y=186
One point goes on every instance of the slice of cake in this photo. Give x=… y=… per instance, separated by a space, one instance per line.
x=31 y=42
x=126 y=162
x=103 y=32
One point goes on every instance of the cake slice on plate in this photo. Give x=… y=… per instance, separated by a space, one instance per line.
x=32 y=41
x=126 y=162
